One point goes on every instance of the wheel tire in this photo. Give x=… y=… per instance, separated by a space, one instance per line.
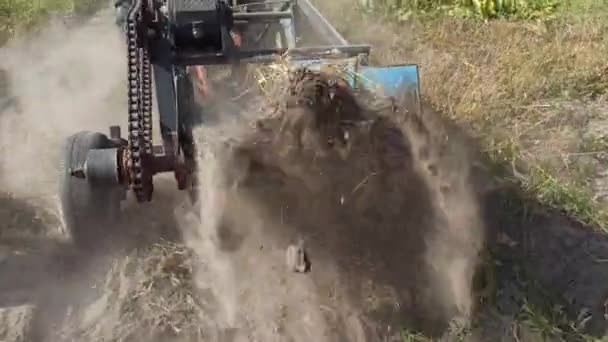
x=89 y=212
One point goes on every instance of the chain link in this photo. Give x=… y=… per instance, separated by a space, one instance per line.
x=140 y=103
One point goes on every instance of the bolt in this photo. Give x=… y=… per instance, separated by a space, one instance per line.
x=115 y=133
x=78 y=172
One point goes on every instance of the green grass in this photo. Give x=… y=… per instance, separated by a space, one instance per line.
x=23 y=15
x=484 y=9
x=469 y=8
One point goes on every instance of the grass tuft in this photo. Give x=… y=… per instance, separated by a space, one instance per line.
x=483 y=9
x=23 y=15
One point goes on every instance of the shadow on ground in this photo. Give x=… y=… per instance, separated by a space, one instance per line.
x=540 y=264
x=547 y=259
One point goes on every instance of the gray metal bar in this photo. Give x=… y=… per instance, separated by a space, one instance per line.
x=259 y=16
x=166 y=102
x=268 y=55
x=289 y=32
x=319 y=23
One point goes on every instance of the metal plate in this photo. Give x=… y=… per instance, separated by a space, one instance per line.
x=391 y=79
x=195 y=5
x=399 y=81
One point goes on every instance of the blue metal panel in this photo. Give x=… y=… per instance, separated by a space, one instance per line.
x=399 y=81
x=392 y=80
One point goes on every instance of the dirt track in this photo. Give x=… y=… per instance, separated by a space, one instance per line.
x=391 y=219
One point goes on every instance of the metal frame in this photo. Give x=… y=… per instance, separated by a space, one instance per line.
x=261 y=56
x=174 y=90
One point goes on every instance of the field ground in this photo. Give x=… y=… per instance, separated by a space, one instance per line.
x=533 y=93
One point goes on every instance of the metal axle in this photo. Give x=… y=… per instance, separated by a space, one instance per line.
x=107 y=167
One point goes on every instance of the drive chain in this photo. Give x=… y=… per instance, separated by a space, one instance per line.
x=140 y=105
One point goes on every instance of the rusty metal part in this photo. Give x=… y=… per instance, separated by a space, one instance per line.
x=140 y=154
x=154 y=163
x=182 y=175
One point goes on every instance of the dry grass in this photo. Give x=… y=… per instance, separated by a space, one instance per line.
x=147 y=296
x=532 y=91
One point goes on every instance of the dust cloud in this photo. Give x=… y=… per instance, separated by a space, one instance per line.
x=387 y=212
x=389 y=215
x=55 y=83
x=64 y=81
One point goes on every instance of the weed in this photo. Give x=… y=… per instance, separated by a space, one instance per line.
x=468 y=8
x=18 y=15
x=408 y=336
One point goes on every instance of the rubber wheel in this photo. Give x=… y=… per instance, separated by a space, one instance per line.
x=89 y=211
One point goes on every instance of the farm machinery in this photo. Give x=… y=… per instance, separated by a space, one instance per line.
x=166 y=40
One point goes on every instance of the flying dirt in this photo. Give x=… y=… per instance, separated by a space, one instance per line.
x=381 y=198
